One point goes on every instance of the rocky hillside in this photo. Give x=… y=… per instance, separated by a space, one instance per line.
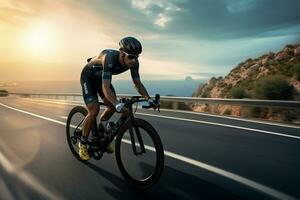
x=270 y=76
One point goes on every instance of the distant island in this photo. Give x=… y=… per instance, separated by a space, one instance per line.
x=188 y=78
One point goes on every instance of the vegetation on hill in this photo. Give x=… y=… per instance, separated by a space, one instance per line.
x=273 y=76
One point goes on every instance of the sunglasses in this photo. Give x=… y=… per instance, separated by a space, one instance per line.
x=131 y=56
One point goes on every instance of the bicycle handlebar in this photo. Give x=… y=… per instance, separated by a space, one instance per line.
x=137 y=99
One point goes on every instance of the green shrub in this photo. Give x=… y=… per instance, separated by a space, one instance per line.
x=204 y=93
x=286 y=69
x=273 y=87
x=237 y=93
x=289 y=46
x=296 y=71
x=246 y=84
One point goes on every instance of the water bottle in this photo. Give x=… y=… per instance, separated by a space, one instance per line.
x=109 y=128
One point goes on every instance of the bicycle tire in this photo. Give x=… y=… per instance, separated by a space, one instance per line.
x=78 y=109
x=159 y=166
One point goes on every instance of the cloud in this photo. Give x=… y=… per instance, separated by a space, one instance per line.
x=160 y=10
x=219 y=20
x=162 y=20
x=235 y=6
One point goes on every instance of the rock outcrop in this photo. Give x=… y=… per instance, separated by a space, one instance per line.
x=244 y=76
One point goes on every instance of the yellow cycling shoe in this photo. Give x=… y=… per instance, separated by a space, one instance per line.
x=83 y=152
x=110 y=148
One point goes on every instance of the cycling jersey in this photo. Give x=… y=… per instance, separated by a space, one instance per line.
x=92 y=75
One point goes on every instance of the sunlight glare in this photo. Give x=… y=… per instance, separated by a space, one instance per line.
x=38 y=37
x=38 y=40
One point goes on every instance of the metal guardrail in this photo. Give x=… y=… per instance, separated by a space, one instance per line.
x=177 y=100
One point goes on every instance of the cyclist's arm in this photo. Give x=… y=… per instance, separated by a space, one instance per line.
x=137 y=82
x=141 y=89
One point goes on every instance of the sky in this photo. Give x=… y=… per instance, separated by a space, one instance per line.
x=50 y=40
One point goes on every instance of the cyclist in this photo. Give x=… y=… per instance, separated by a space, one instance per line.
x=96 y=79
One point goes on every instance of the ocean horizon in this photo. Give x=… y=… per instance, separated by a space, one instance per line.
x=180 y=88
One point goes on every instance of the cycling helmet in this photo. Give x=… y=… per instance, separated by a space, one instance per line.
x=130 y=45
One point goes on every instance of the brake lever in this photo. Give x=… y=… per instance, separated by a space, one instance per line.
x=158 y=107
x=156 y=102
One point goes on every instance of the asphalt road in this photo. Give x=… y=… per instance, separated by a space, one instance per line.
x=206 y=157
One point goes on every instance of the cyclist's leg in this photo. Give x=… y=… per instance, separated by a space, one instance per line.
x=89 y=85
x=106 y=115
x=91 y=101
x=110 y=109
x=93 y=110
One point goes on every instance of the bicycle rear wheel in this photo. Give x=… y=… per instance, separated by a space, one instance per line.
x=74 y=128
x=144 y=170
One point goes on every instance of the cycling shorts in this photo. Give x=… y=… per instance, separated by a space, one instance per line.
x=92 y=86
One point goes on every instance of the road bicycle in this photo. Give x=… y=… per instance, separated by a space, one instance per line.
x=138 y=148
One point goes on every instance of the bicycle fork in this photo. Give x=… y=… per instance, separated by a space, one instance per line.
x=140 y=140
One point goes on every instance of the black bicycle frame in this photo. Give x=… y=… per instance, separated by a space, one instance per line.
x=138 y=134
x=124 y=123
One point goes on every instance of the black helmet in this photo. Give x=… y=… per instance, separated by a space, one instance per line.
x=130 y=45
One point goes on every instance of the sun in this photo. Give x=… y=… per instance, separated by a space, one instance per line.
x=39 y=39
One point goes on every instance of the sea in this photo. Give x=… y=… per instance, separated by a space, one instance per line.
x=179 y=88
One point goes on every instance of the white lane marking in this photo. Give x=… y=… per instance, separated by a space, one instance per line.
x=56 y=102
x=233 y=118
x=223 y=125
x=64 y=117
x=232 y=176
x=35 y=115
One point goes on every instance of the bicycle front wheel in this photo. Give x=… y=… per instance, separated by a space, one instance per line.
x=142 y=169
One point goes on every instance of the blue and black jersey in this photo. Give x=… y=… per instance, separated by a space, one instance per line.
x=93 y=74
x=111 y=66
